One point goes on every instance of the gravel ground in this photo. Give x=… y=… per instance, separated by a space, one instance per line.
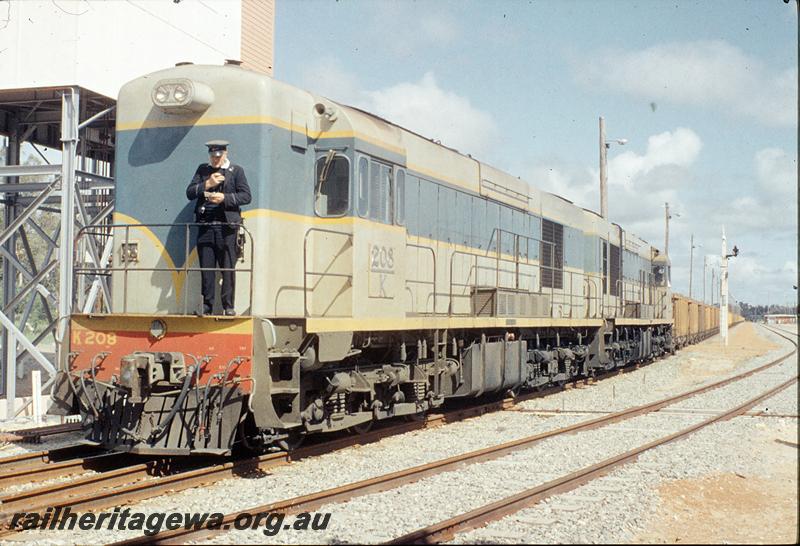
x=9 y=449
x=791 y=328
x=620 y=507
x=50 y=442
x=22 y=422
x=379 y=517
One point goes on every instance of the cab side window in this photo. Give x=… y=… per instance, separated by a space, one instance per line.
x=380 y=192
x=363 y=187
x=400 y=197
x=332 y=184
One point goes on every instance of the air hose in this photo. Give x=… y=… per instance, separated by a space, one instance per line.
x=160 y=429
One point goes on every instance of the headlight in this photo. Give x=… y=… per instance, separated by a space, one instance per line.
x=158 y=329
x=182 y=95
x=161 y=95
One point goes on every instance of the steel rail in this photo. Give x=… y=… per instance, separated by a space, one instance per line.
x=403 y=477
x=46 y=470
x=34 y=435
x=479 y=517
x=85 y=487
x=35 y=459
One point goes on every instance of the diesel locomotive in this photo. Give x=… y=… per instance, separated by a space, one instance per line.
x=382 y=274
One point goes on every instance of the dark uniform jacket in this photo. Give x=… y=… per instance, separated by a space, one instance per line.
x=235 y=188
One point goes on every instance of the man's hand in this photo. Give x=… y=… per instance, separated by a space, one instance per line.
x=214 y=180
x=215 y=198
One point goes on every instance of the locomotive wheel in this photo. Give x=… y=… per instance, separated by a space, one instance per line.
x=294 y=441
x=362 y=428
x=416 y=417
x=248 y=444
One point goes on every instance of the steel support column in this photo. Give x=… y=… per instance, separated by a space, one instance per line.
x=9 y=357
x=67 y=190
x=70 y=103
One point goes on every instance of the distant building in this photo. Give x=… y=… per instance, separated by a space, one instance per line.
x=100 y=45
x=780 y=319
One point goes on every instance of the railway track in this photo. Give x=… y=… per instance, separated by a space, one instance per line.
x=479 y=517
x=44 y=465
x=35 y=435
x=35 y=459
x=133 y=483
x=116 y=480
x=444 y=530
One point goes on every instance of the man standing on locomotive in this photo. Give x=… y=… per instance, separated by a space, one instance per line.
x=219 y=189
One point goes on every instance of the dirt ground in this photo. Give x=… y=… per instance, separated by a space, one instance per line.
x=759 y=507
x=710 y=359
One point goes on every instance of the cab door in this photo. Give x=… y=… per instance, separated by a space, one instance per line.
x=328 y=245
x=379 y=238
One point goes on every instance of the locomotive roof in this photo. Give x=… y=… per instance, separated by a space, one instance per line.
x=292 y=108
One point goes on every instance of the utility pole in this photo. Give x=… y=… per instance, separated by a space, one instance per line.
x=691 y=261
x=723 y=287
x=604 y=146
x=603 y=175
x=713 y=284
x=666 y=229
x=723 y=291
x=704 y=277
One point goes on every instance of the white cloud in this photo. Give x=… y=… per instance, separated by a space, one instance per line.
x=437 y=28
x=777 y=173
x=431 y=111
x=328 y=77
x=578 y=184
x=772 y=207
x=423 y=107
x=679 y=148
x=754 y=280
x=710 y=73
x=639 y=184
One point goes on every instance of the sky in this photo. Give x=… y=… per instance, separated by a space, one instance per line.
x=705 y=93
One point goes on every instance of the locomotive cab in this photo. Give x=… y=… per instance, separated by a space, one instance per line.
x=661 y=270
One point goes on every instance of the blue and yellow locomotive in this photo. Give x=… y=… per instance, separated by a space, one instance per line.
x=382 y=275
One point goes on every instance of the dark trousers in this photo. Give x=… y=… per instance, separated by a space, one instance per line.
x=216 y=247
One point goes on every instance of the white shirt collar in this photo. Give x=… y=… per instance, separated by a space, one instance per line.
x=225 y=164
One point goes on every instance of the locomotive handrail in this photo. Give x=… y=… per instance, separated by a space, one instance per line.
x=322 y=274
x=643 y=294
x=620 y=295
x=662 y=306
x=433 y=255
x=108 y=230
x=498 y=260
x=568 y=297
x=590 y=279
x=473 y=268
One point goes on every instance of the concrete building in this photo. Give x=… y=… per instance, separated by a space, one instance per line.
x=100 y=45
x=780 y=319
